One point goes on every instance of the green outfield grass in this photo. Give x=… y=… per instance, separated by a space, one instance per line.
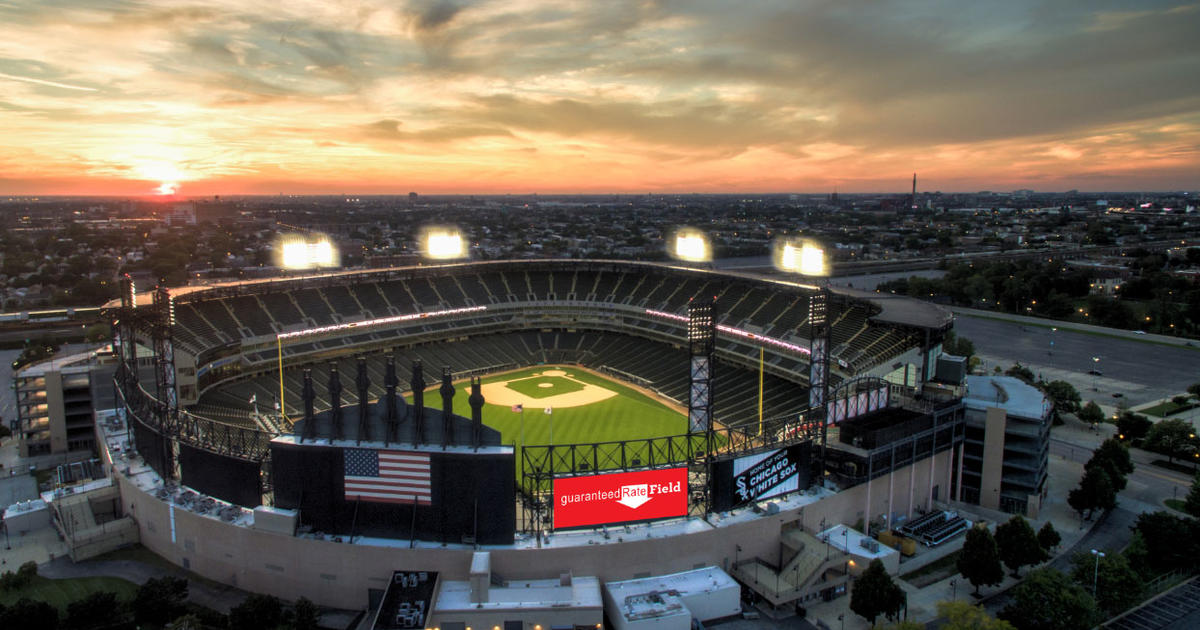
x=630 y=415
x=533 y=386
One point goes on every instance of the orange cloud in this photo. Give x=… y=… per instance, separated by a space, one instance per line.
x=224 y=97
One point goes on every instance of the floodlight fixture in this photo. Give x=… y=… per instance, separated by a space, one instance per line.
x=691 y=245
x=299 y=251
x=805 y=257
x=444 y=244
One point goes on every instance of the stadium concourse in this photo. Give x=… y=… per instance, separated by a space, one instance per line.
x=289 y=442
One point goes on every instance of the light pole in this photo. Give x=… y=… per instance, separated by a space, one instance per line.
x=953 y=589
x=842 y=618
x=1096 y=571
x=1095 y=372
x=1053 y=329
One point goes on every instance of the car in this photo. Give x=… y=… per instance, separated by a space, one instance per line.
x=1118 y=395
x=1095 y=372
x=1139 y=332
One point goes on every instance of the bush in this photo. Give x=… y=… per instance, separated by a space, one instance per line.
x=256 y=611
x=27 y=613
x=97 y=609
x=10 y=581
x=160 y=600
x=28 y=571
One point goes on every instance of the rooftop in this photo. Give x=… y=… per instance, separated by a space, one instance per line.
x=1012 y=394
x=659 y=596
x=850 y=541
x=581 y=592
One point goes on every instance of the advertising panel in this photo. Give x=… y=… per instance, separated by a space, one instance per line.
x=620 y=497
x=743 y=480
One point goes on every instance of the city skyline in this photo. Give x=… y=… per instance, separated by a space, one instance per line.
x=214 y=97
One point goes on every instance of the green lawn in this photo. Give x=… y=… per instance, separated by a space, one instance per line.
x=1167 y=408
x=59 y=593
x=630 y=415
x=545 y=386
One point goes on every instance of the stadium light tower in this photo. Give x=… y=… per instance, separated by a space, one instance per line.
x=444 y=243
x=690 y=245
x=808 y=259
x=298 y=251
x=702 y=336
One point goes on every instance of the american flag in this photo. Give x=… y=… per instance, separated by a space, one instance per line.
x=382 y=476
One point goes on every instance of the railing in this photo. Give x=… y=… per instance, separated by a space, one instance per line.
x=206 y=434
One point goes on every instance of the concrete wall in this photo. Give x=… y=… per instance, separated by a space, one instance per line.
x=907 y=489
x=993 y=458
x=56 y=412
x=338 y=574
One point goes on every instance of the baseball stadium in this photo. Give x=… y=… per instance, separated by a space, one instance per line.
x=320 y=435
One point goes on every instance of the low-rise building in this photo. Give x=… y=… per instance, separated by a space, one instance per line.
x=1007 y=446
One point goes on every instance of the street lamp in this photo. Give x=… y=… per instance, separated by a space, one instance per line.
x=1053 y=329
x=842 y=618
x=1096 y=571
x=1095 y=372
x=953 y=589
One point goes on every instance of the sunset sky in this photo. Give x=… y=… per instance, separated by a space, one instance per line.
x=229 y=97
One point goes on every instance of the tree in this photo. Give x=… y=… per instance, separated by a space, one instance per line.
x=256 y=611
x=1018 y=545
x=1169 y=437
x=876 y=594
x=1194 y=390
x=1133 y=426
x=959 y=346
x=1048 y=600
x=1091 y=413
x=98 y=608
x=1113 y=458
x=27 y=613
x=1138 y=556
x=1118 y=586
x=1170 y=540
x=1192 y=505
x=979 y=561
x=1020 y=371
x=305 y=614
x=1048 y=537
x=963 y=616
x=1095 y=492
x=160 y=600
x=1065 y=398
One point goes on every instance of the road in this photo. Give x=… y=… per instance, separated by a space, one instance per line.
x=1139 y=371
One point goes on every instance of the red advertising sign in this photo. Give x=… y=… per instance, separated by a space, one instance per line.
x=620 y=497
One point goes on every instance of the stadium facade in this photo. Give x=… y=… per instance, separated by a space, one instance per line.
x=269 y=400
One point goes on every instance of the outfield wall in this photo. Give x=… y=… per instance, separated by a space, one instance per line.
x=339 y=574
